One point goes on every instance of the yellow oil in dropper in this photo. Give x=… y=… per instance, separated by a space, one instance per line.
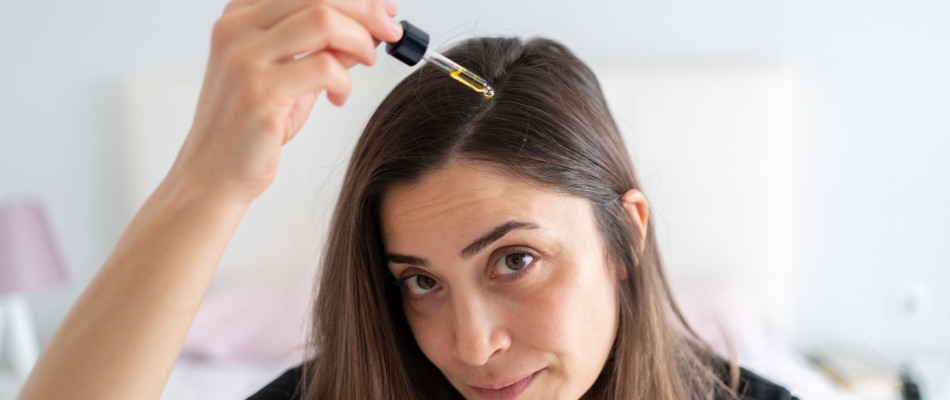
x=413 y=46
x=473 y=81
x=459 y=73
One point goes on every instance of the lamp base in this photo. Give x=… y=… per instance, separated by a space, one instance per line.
x=17 y=336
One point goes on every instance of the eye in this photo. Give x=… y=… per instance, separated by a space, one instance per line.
x=513 y=262
x=420 y=284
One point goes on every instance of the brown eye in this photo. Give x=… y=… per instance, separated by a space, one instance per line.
x=513 y=262
x=425 y=282
x=421 y=284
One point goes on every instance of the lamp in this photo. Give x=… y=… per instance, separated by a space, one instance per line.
x=29 y=262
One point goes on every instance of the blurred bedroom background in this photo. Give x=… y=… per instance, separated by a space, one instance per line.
x=797 y=156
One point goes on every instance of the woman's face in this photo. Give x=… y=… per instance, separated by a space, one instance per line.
x=505 y=285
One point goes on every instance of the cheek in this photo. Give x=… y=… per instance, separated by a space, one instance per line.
x=433 y=334
x=573 y=317
x=571 y=324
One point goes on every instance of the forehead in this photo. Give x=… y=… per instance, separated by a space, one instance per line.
x=468 y=196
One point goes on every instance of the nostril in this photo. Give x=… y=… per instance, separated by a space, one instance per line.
x=479 y=333
x=476 y=349
x=472 y=347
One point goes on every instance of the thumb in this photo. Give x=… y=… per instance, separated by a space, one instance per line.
x=299 y=113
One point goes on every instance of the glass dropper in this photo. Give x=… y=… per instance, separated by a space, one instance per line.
x=414 y=46
x=460 y=73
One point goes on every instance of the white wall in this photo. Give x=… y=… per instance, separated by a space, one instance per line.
x=872 y=157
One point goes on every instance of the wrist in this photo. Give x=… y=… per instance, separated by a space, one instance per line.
x=177 y=193
x=196 y=183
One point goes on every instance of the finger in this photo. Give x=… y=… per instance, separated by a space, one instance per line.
x=337 y=98
x=373 y=15
x=390 y=7
x=299 y=113
x=314 y=73
x=238 y=4
x=370 y=13
x=346 y=60
x=339 y=83
x=269 y=12
x=317 y=29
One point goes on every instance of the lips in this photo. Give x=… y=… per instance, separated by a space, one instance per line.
x=506 y=389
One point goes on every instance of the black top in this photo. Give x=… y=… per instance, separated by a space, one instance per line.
x=751 y=387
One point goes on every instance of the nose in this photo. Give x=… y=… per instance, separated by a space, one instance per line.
x=479 y=331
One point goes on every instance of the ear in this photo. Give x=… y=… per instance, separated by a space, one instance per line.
x=635 y=203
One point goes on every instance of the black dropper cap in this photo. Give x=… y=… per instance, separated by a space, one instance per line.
x=411 y=47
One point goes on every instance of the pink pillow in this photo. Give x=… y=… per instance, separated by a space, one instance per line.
x=719 y=314
x=250 y=321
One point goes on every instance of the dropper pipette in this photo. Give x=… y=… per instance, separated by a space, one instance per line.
x=414 y=46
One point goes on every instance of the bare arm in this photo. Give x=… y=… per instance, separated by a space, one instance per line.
x=122 y=336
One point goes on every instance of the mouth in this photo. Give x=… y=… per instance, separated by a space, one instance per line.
x=507 y=389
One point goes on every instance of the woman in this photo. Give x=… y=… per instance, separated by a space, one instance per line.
x=485 y=249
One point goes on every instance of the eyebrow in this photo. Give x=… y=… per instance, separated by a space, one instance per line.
x=494 y=235
x=393 y=258
x=468 y=251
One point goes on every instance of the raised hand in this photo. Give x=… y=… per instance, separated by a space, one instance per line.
x=258 y=89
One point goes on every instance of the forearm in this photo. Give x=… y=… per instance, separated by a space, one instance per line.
x=121 y=338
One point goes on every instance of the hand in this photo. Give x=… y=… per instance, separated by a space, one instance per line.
x=257 y=95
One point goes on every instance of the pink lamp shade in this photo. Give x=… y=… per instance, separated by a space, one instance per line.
x=29 y=260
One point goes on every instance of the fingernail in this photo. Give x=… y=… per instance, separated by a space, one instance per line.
x=396 y=27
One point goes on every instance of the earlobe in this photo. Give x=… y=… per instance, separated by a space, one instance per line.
x=635 y=203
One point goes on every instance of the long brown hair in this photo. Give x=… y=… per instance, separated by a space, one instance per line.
x=548 y=123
